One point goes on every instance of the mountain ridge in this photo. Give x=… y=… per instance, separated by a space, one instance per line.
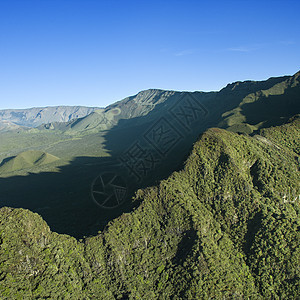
x=34 y=117
x=212 y=214
x=27 y=159
x=152 y=104
x=225 y=226
x=68 y=118
x=163 y=129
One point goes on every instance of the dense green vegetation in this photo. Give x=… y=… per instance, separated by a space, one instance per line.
x=27 y=159
x=224 y=227
x=60 y=191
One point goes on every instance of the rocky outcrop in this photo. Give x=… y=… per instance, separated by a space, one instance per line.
x=34 y=117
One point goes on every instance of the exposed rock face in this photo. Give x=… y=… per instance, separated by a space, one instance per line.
x=240 y=107
x=9 y=126
x=34 y=117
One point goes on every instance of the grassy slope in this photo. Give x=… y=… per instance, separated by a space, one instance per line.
x=225 y=226
x=266 y=107
x=57 y=144
x=240 y=107
x=27 y=159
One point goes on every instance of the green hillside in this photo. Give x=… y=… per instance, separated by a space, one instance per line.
x=159 y=126
x=243 y=107
x=28 y=159
x=99 y=120
x=224 y=227
x=266 y=107
x=240 y=107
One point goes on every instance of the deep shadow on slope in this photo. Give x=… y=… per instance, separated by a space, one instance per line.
x=64 y=198
x=274 y=109
x=143 y=150
x=185 y=115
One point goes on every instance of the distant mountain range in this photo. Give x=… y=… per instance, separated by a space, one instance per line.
x=171 y=195
x=33 y=117
x=225 y=227
x=241 y=107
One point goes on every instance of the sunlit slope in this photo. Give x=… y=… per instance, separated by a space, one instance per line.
x=28 y=159
x=99 y=120
x=33 y=117
x=240 y=107
x=225 y=226
x=9 y=126
x=264 y=108
x=287 y=134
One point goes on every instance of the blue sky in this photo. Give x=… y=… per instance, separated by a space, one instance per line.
x=93 y=52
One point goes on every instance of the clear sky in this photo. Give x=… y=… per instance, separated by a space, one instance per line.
x=95 y=52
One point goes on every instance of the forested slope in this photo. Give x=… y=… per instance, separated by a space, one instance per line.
x=226 y=226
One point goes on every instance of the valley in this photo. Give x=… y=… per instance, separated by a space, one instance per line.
x=144 y=138
x=165 y=194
